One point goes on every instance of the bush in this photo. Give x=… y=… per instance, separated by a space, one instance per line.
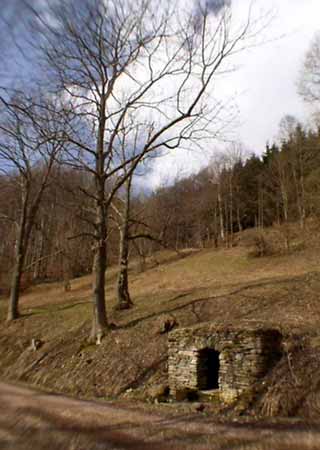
x=261 y=246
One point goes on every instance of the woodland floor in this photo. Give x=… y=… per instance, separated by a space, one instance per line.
x=225 y=286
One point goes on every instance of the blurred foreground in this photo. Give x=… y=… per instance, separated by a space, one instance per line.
x=35 y=420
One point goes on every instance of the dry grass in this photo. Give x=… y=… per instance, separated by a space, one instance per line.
x=225 y=286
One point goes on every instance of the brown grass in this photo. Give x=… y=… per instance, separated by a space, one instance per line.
x=224 y=286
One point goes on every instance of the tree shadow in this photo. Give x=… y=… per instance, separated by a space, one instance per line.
x=51 y=309
x=144 y=375
x=36 y=429
x=260 y=284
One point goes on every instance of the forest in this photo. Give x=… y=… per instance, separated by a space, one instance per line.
x=206 y=209
x=74 y=143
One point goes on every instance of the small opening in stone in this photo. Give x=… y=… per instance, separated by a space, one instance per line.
x=208 y=369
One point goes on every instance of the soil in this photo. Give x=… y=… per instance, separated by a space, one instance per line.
x=36 y=420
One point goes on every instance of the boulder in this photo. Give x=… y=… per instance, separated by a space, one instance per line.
x=158 y=393
x=167 y=324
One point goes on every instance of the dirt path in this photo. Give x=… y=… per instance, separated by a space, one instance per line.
x=34 y=420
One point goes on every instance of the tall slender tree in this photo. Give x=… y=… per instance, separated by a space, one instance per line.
x=29 y=145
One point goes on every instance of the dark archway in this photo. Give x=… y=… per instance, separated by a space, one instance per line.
x=208 y=369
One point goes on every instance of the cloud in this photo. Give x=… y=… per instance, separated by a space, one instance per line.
x=211 y=6
x=215 y=6
x=207 y=6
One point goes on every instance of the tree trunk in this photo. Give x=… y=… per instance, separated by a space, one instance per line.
x=215 y=233
x=283 y=190
x=238 y=219
x=238 y=203
x=221 y=214
x=99 y=320
x=231 y=209
x=142 y=255
x=297 y=184
x=302 y=191
x=284 y=203
x=13 y=309
x=226 y=222
x=303 y=206
x=20 y=249
x=177 y=238
x=124 y=300
x=260 y=207
x=278 y=210
x=39 y=250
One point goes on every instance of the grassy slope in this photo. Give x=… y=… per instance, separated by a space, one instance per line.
x=224 y=286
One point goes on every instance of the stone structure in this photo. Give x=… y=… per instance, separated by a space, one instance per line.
x=226 y=360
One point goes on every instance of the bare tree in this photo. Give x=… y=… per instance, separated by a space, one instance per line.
x=130 y=224
x=123 y=216
x=122 y=208
x=216 y=168
x=28 y=147
x=293 y=146
x=113 y=58
x=309 y=83
x=132 y=228
x=233 y=156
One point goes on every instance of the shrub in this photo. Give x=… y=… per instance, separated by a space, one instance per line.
x=261 y=246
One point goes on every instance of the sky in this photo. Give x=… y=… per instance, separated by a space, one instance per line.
x=264 y=86
x=267 y=82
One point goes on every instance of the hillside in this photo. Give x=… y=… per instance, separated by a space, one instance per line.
x=225 y=286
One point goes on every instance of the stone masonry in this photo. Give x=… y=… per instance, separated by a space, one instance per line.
x=230 y=360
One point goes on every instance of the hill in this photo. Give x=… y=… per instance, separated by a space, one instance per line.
x=226 y=286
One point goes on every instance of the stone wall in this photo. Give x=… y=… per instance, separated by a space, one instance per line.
x=244 y=356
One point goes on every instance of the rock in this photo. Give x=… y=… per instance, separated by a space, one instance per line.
x=128 y=391
x=167 y=325
x=158 y=393
x=200 y=407
x=100 y=335
x=186 y=394
x=36 y=344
